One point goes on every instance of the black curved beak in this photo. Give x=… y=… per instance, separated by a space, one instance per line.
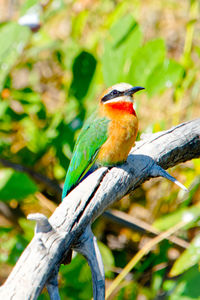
x=133 y=90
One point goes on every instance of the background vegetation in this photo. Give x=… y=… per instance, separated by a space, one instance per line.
x=50 y=79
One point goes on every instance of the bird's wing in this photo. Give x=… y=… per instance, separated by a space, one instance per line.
x=92 y=136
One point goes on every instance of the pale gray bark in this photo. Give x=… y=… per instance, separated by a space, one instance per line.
x=87 y=246
x=54 y=238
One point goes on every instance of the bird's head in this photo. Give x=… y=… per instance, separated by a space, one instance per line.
x=120 y=92
x=120 y=97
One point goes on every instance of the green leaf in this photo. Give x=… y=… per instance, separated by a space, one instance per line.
x=36 y=137
x=30 y=100
x=107 y=257
x=77 y=279
x=28 y=228
x=83 y=70
x=17 y=249
x=15 y=185
x=147 y=58
x=165 y=75
x=8 y=241
x=13 y=38
x=119 y=48
x=188 y=258
x=63 y=143
x=187 y=286
x=28 y=6
x=191 y=214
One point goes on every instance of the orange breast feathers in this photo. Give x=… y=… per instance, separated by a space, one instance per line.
x=122 y=132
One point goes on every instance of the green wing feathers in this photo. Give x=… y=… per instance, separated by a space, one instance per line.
x=92 y=136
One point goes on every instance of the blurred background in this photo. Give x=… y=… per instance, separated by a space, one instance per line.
x=56 y=57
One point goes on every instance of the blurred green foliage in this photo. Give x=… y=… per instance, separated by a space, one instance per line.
x=50 y=79
x=10 y=182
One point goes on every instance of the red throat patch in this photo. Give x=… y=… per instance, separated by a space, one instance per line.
x=122 y=106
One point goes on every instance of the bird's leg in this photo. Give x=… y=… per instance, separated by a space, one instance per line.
x=87 y=246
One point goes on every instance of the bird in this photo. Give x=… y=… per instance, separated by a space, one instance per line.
x=106 y=137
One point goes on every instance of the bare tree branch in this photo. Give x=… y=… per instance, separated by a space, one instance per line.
x=85 y=203
x=88 y=247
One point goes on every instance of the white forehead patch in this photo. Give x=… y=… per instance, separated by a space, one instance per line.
x=122 y=86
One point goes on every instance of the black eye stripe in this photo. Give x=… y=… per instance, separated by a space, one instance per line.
x=111 y=95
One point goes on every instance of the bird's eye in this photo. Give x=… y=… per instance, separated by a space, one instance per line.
x=114 y=92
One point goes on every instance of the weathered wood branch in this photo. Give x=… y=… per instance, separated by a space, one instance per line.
x=53 y=239
x=87 y=246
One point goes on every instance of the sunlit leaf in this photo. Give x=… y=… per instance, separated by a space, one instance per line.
x=13 y=38
x=165 y=75
x=190 y=215
x=119 y=48
x=36 y=139
x=147 y=58
x=28 y=5
x=27 y=227
x=188 y=258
